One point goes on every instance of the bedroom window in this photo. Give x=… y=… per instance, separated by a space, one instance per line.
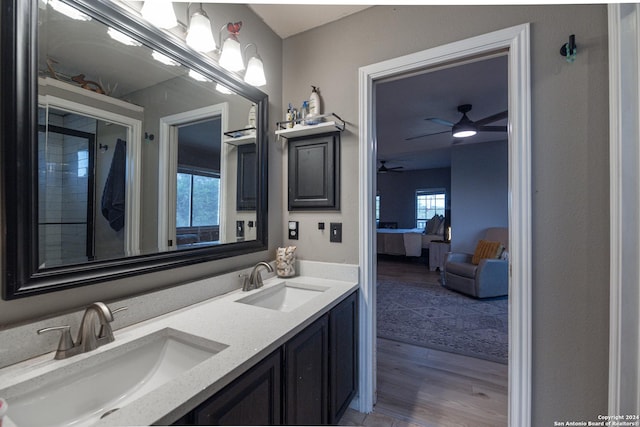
x=429 y=203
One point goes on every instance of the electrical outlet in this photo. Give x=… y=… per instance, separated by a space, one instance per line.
x=240 y=229
x=335 y=232
x=293 y=230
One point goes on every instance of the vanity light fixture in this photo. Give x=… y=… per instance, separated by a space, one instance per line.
x=199 y=35
x=231 y=56
x=164 y=58
x=68 y=11
x=122 y=38
x=255 y=69
x=197 y=76
x=160 y=13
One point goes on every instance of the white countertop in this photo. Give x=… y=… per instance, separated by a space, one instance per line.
x=250 y=332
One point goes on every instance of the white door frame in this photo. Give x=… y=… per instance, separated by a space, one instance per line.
x=133 y=167
x=168 y=169
x=516 y=40
x=624 y=182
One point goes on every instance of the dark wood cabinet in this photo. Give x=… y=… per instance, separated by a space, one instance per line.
x=310 y=380
x=314 y=172
x=252 y=399
x=306 y=375
x=343 y=356
x=247 y=178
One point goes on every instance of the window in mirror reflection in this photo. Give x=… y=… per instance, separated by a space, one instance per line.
x=198 y=183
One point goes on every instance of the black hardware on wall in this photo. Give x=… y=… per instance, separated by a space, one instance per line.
x=570 y=50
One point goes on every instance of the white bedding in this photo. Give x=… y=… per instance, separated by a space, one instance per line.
x=406 y=242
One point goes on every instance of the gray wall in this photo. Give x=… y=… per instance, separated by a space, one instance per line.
x=570 y=176
x=398 y=193
x=480 y=190
x=270 y=45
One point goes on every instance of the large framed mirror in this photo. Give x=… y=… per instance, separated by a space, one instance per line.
x=121 y=156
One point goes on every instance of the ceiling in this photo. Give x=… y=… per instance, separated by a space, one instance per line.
x=289 y=19
x=403 y=104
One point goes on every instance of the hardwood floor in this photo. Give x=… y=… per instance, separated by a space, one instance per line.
x=424 y=387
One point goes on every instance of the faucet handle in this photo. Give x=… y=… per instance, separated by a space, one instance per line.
x=105 y=329
x=66 y=342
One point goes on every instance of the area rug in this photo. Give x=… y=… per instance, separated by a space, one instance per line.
x=424 y=313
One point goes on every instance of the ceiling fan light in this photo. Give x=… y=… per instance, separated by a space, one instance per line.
x=160 y=13
x=463 y=133
x=199 y=35
x=231 y=56
x=255 y=72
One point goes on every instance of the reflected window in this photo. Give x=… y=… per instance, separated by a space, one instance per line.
x=198 y=200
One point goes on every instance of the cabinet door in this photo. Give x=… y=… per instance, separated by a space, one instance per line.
x=343 y=356
x=253 y=399
x=306 y=375
x=314 y=172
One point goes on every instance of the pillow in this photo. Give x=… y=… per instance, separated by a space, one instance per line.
x=487 y=249
x=432 y=225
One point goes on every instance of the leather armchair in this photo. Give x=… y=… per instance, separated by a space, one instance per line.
x=490 y=278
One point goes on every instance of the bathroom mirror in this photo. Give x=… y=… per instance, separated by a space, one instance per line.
x=121 y=156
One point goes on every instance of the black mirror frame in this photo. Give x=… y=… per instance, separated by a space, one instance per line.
x=18 y=142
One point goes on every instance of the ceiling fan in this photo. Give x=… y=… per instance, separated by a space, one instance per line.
x=384 y=169
x=466 y=127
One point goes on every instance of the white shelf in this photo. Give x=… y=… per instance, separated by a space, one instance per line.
x=306 y=130
x=241 y=140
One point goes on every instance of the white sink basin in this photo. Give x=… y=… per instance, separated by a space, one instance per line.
x=80 y=394
x=284 y=296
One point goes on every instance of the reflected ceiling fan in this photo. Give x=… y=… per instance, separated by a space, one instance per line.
x=466 y=127
x=384 y=169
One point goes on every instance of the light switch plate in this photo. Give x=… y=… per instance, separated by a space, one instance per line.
x=335 y=232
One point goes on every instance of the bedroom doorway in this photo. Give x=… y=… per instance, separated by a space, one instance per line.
x=515 y=41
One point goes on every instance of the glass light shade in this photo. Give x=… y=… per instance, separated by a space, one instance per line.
x=199 y=35
x=160 y=13
x=68 y=11
x=122 y=38
x=255 y=72
x=223 y=89
x=160 y=57
x=231 y=56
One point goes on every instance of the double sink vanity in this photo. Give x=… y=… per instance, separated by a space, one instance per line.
x=283 y=353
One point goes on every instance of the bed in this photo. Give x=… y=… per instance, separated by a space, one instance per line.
x=404 y=242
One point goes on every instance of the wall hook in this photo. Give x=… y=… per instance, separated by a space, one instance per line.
x=148 y=136
x=103 y=147
x=570 y=50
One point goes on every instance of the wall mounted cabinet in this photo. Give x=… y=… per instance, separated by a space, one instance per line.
x=314 y=172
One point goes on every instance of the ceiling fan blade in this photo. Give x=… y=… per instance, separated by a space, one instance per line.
x=439 y=121
x=425 y=135
x=493 y=118
x=492 y=128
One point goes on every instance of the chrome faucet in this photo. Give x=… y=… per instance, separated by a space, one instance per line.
x=254 y=280
x=97 y=314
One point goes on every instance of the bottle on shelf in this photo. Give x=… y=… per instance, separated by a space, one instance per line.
x=315 y=106
x=304 y=112
x=290 y=117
